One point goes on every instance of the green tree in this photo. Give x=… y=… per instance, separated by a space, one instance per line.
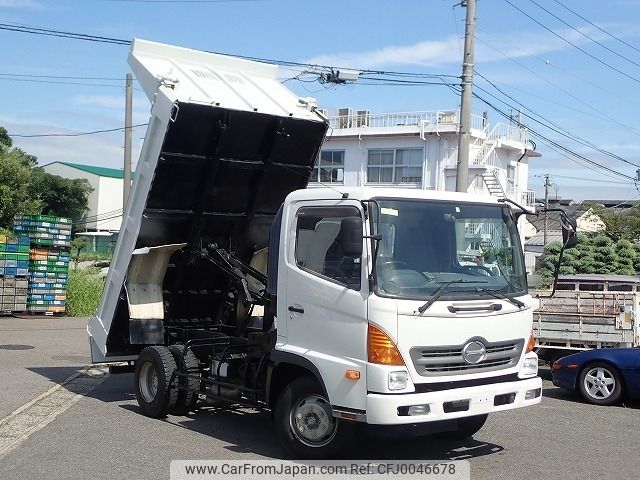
x=16 y=194
x=619 y=223
x=60 y=196
x=25 y=188
x=593 y=254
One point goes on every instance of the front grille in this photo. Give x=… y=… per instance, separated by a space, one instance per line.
x=449 y=360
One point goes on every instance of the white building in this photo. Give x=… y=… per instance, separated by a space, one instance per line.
x=419 y=150
x=102 y=221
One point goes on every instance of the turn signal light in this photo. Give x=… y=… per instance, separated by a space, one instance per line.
x=532 y=343
x=352 y=374
x=381 y=349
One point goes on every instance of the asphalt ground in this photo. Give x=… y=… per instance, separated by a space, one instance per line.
x=102 y=435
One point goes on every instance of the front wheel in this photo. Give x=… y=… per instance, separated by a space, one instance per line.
x=600 y=384
x=304 y=422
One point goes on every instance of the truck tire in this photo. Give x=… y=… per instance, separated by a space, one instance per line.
x=467 y=428
x=154 y=368
x=304 y=423
x=600 y=383
x=186 y=400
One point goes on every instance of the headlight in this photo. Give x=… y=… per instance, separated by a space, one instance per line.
x=398 y=380
x=529 y=367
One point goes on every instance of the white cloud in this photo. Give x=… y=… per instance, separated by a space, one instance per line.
x=447 y=51
x=20 y=4
x=102 y=101
x=101 y=149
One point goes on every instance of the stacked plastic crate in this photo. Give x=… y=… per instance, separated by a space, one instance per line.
x=50 y=239
x=14 y=264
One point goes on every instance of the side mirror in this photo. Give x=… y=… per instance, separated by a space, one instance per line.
x=569 y=227
x=350 y=236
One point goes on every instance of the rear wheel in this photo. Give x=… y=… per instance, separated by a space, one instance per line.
x=467 y=427
x=154 y=368
x=304 y=422
x=600 y=383
x=186 y=399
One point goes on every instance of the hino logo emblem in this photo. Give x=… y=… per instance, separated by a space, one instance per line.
x=474 y=352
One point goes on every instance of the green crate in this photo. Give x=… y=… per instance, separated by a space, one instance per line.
x=23 y=248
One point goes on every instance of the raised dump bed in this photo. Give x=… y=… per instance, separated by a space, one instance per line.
x=226 y=143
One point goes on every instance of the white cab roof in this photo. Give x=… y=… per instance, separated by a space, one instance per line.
x=365 y=193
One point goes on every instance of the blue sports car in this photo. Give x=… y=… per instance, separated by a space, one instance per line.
x=602 y=376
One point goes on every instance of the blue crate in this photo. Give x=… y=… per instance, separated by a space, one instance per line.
x=23 y=264
x=46 y=297
x=10 y=271
x=12 y=247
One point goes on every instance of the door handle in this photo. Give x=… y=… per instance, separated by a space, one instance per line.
x=296 y=309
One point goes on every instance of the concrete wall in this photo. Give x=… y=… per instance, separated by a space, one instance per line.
x=110 y=203
x=105 y=198
x=440 y=158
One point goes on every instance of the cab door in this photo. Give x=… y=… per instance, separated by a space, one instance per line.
x=326 y=292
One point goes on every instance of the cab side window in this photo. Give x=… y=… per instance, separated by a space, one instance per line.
x=319 y=240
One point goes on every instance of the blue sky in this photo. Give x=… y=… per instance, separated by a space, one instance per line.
x=534 y=67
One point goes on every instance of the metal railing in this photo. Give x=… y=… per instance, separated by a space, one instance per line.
x=362 y=118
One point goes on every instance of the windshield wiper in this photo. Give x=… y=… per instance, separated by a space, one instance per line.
x=502 y=296
x=438 y=293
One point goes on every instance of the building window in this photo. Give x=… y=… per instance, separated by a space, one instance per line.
x=511 y=177
x=329 y=167
x=400 y=165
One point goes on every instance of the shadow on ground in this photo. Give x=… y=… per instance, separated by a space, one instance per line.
x=250 y=431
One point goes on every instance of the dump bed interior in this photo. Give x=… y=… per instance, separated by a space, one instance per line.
x=225 y=144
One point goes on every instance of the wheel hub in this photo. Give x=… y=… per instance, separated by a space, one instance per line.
x=599 y=383
x=148 y=382
x=312 y=422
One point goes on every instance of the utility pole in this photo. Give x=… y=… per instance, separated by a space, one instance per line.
x=462 y=178
x=127 y=140
x=547 y=184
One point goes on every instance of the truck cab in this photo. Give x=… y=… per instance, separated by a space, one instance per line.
x=329 y=307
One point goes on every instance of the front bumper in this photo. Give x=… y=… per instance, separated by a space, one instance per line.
x=382 y=409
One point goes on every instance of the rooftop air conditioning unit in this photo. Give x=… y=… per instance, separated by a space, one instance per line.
x=362 y=120
x=345 y=117
x=447 y=117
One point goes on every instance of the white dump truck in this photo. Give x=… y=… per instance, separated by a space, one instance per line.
x=588 y=311
x=330 y=307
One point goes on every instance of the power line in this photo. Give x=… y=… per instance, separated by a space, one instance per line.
x=558 y=129
x=58 y=82
x=119 y=41
x=550 y=141
x=596 y=180
x=598 y=27
x=584 y=34
x=631 y=77
x=78 y=134
x=583 y=78
x=65 y=77
x=15 y=27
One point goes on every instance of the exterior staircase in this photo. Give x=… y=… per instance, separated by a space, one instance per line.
x=493 y=184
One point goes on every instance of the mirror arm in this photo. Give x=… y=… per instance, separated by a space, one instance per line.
x=556 y=273
x=524 y=211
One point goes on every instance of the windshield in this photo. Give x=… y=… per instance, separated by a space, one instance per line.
x=425 y=244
